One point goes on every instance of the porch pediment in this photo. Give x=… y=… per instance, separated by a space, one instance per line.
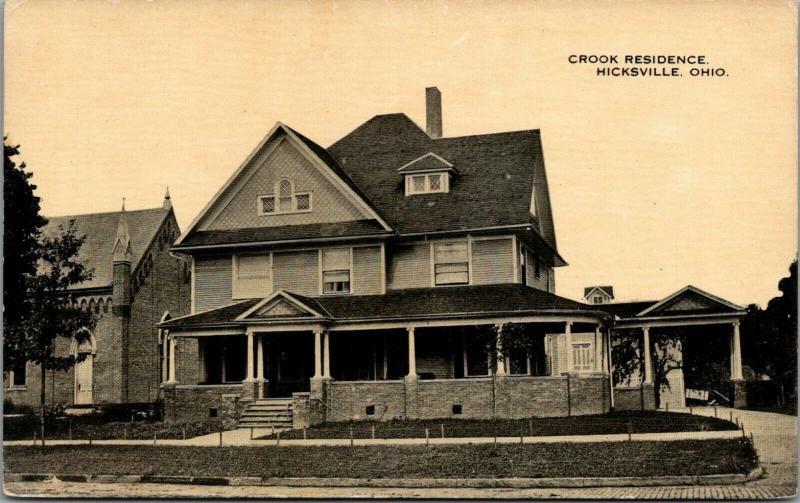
x=690 y=300
x=280 y=304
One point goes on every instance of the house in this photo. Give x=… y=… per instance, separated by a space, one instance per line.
x=707 y=356
x=341 y=283
x=598 y=294
x=136 y=283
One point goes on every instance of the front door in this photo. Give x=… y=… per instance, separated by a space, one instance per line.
x=290 y=363
x=83 y=381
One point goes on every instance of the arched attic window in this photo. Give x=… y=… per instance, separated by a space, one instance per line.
x=284 y=199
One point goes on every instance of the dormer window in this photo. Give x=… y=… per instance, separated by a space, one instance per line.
x=284 y=200
x=427 y=174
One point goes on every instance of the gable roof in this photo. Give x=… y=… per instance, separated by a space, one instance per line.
x=100 y=230
x=494 y=186
x=608 y=290
x=719 y=303
x=314 y=153
x=427 y=162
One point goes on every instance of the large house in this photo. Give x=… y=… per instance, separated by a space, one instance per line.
x=136 y=283
x=341 y=283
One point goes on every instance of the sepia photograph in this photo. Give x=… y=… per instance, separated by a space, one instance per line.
x=400 y=249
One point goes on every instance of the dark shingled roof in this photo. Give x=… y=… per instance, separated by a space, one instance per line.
x=100 y=230
x=410 y=303
x=626 y=309
x=493 y=187
x=283 y=233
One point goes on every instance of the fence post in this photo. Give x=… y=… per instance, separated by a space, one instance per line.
x=690 y=410
x=251 y=433
x=70 y=428
x=34 y=436
x=183 y=432
x=90 y=438
x=442 y=426
x=373 y=432
x=666 y=407
x=427 y=437
x=304 y=433
x=731 y=415
x=351 y=437
x=521 y=436
x=155 y=437
x=530 y=427
x=278 y=439
x=630 y=429
x=715 y=412
x=220 y=438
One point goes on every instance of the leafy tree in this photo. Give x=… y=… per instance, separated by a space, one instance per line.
x=21 y=232
x=769 y=336
x=39 y=304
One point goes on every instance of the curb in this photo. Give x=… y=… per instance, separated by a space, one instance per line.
x=512 y=483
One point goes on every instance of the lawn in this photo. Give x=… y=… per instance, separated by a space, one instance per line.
x=615 y=422
x=609 y=459
x=99 y=428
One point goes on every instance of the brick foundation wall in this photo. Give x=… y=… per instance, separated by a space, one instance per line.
x=631 y=398
x=349 y=400
x=192 y=403
x=479 y=398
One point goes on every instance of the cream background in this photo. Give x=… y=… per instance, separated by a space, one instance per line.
x=655 y=183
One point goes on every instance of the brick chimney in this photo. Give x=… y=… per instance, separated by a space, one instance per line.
x=433 y=112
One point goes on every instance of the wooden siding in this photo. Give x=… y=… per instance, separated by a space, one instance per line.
x=367 y=270
x=329 y=204
x=409 y=266
x=492 y=261
x=212 y=282
x=296 y=271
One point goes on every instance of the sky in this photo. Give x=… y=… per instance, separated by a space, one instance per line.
x=655 y=182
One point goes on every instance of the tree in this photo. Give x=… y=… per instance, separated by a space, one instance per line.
x=769 y=336
x=42 y=303
x=21 y=233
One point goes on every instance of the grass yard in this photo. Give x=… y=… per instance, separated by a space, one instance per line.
x=615 y=422
x=610 y=459
x=89 y=426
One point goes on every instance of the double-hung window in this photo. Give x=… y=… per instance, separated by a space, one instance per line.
x=251 y=276
x=451 y=263
x=336 y=270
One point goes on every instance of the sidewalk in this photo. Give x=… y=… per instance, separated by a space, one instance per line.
x=241 y=437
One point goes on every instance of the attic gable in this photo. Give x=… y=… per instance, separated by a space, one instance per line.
x=284 y=182
x=690 y=300
x=280 y=304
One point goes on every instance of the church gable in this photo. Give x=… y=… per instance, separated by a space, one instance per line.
x=282 y=187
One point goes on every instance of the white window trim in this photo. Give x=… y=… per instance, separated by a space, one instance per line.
x=262 y=213
x=591 y=351
x=321 y=271
x=235 y=294
x=444 y=186
x=433 y=261
x=466 y=366
x=17 y=387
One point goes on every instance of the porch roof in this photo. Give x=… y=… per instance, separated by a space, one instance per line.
x=417 y=303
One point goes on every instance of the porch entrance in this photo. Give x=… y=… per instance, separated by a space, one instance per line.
x=83 y=381
x=289 y=363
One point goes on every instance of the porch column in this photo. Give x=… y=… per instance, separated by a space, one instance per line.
x=597 y=364
x=648 y=365
x=568 y=345
x=260 y=358
x=250 y=369
x=317 y=353
x=326 y=353
x=736 y=353
x=412 y=354
x=172 y=343
x=501 y=360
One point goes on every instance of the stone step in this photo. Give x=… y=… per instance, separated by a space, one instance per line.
x=259 y=406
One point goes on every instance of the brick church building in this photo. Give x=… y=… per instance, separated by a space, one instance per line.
x=136 y=283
